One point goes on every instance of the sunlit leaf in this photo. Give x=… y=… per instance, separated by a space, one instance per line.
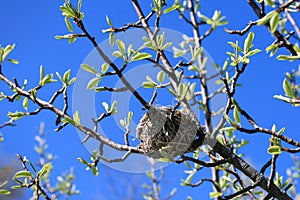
x=76 y=117
x=113 y=109
x=274 y=150
x=14 y=61
x=66 y=76
x=25 y=103
x=170 y=9
x=88 y=68
x=290 y=58
x=93 y=82
x=23 y=173
x=248 y=42
x=236 y=115
x=79 y=5
x=7 y=51
x=69 y=25
x=266 y=18
x=106 y=106
x=121 y=46
x=160 y=76
x=140 y=56
x=104 y=67
x=287 y=88
x=148 y=84
x=111 y=38
x=129 y=117
x=274 y=22
x=108 y=20
x=45 y=169
x=4 y=192
x=118 y=54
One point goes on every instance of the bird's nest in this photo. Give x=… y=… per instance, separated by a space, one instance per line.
x=166 y=132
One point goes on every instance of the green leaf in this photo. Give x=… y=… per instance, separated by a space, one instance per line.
x=266 y=18
x=165 y=155
x=274 y=150
x=22 y=174
x=129 y=117
x=106 y=106
x=166 y=45
x=274 y=128
x=140 y=56
x=170 y=9
x=33 y=92
x=111 y=38
x=113 y=109
x=108 y=20
x=129 y=50
x=41 y=73
x=66 y=76
x=160 y=76
x=67 y=12
x=93 y=83
x=121 y=46
x=123 y=123
x=16 y=115
x=72 y=81
x=228 y=129
x=69 y=25
x=172 y=92
x=274 y=22
x=7 y=51
x=236 y=115
x=252 y=52
x=270 y=2
x=79 y=5
x=17 y=186
x=45 y=169
x=72 y=39
x=189 y=178
x=228 y=119
x=83 y=161
x=270 y=47
x=76 y=117
x=3 y=184
x=14 y=61
x=88 y=68
x=68 y=120
x=248 y=42
x=235 y=46
x=148 y=84
x=4 y=192
x=197 y=52
x=285 y=99
x=59 y=76
x=95 y=171
x=25 y=103
x=118 y=54
x=67 y=36
x=281 y=131
x=213 y=195
x=104 y=67
x=290 y=58
x=287 y=88
x=178 y=52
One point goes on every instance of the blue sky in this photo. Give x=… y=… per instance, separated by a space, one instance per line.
x=32 y=27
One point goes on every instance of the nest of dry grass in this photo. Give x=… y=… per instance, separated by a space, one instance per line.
x=162 y=132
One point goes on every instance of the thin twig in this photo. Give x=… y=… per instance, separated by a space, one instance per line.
x=241 y=32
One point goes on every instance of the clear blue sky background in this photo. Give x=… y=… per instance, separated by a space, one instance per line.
x=33 y=25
